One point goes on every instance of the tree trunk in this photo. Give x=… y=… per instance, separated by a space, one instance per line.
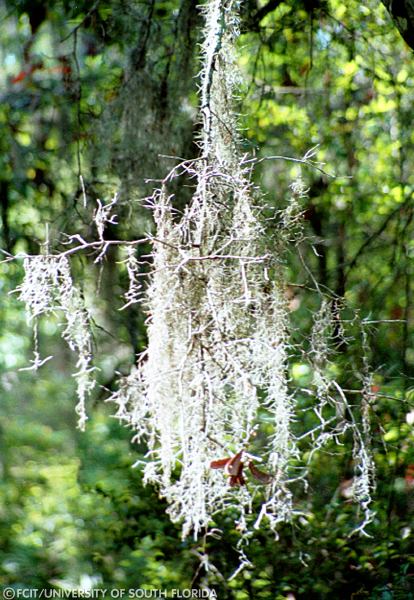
x=402 y=13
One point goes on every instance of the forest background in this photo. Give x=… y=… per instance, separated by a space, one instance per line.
x=107 y=91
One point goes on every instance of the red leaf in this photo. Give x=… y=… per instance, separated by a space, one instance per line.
x=232 y=466
x=22 y=75
x=219 y=464
x=258 y=474
x=237 y=480
x=235 y=464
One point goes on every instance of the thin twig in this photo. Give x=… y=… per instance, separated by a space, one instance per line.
x=79 y=25
x=301 y=161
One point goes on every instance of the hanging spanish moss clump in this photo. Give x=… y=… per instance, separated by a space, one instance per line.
x=217 y=321
x=48 y=288
x=210 y=394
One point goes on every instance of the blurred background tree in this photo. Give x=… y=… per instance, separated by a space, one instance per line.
x=106 y=91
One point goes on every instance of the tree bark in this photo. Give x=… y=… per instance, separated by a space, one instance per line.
x=402 y=13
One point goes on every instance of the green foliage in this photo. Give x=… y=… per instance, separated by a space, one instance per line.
x=74 y=509
x=81 y=95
